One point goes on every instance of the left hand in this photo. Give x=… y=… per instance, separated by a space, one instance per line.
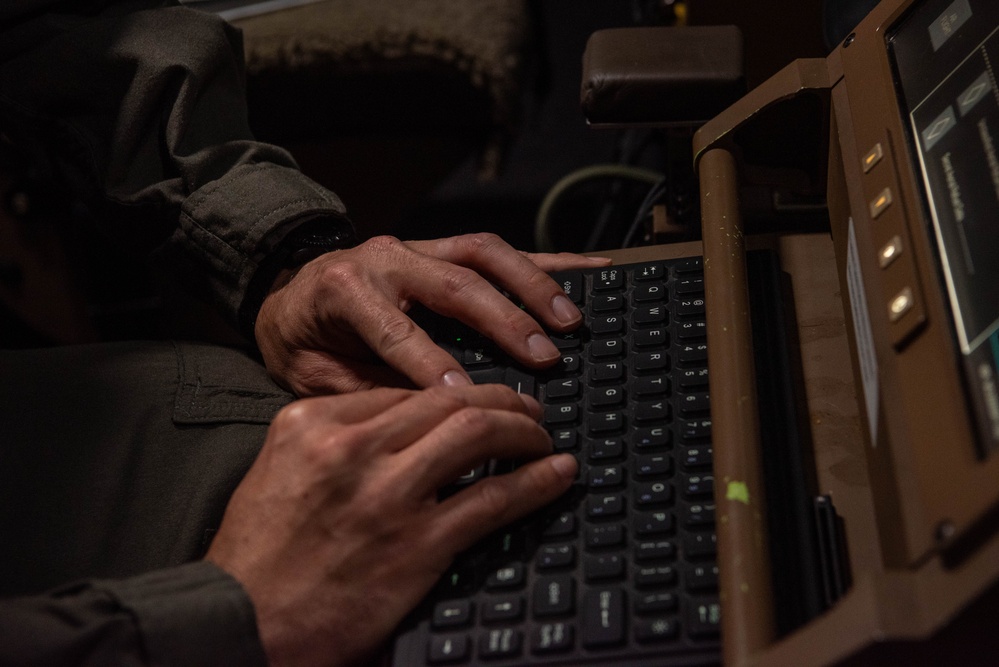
x=339 y=323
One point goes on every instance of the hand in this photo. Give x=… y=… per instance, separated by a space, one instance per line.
x=336 y=531
x=339 y=323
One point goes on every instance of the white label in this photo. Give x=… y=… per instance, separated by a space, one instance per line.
x=862 y=334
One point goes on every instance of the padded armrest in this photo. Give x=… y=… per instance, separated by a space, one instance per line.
x=661 y=75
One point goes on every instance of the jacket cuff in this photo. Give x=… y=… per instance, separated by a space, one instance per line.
x=194 y=614
x=231 y=225
x=312 y=237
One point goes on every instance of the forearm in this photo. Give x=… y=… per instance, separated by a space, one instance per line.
x=141 y=107
x=195 y=614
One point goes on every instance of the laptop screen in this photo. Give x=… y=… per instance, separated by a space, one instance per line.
x=944 y=53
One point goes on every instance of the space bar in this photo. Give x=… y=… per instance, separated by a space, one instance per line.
x=516 y=379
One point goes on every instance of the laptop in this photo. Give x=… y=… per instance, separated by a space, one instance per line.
x=795 y=462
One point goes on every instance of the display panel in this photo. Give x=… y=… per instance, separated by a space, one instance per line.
x=945 y=54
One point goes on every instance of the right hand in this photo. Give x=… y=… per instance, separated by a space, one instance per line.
x=336 y=532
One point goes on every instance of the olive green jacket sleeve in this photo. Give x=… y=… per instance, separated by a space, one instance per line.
x=140 y=106
x=193 y=615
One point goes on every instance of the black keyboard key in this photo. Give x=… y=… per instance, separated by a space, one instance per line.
x=612 y=371
x=690 y=265
x=656 y=412
x=653 y=523
x=650 y=338
x=508 y=576
x=689 y=307
x=653 y=493
x=645 y=293
x=651 y=438
x=648 y=362
x=556 y=556
x=696 y=403
x=606 y=449
x=566 y=341
x=607 y=303
x=697 y=458
x=603 y=566
x=607 y=348
x=561 y=526
x=503 y=609
x=501 y=643
x=552 y=638
x=661 y=629
x=653 y=465
x=565 y=440
x=567 y=413
x=689 y=330
x=452 y=614
x=603 y=618
x=704 y=618
x=656 y=603
x=692 y=378
x=656 y=385
x=448 y=649
x=608 y=279
x=701 y=577
x=603 y=506
x=695 y=429
x=655 y=550
x=651 y=271
x=699 y=516
x=649 y=315
x=604 y=535
x=572 y=284
x=700 y=545
x=606 y=397
x=605 y=422
x=655 y=576
x=692 y=353
x=605 y=477
x=691 y=285
x=554 y=595
x=605 y=326
x=565 y=388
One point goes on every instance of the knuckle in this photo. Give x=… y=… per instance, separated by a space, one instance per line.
x=457 y=280
x=384 y=244
x=474 y=421
x=484 y=242
x=494 y=499
x=394 y=331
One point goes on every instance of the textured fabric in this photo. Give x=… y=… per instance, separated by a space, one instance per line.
x=455 y=64
x=116 y=465
x=141 y=107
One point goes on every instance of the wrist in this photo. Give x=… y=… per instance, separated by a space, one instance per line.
x=306 y=242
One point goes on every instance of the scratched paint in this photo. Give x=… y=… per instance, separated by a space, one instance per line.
x=737 y=491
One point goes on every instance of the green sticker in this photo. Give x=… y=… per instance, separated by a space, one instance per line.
x=738 y=491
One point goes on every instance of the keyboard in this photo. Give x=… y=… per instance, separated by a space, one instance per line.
x=621 y=570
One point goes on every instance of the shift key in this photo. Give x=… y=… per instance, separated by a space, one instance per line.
x=603 y=617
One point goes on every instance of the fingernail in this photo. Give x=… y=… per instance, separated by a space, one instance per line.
x=455 y=379
x=600 y=260
x=541 y=347
x=565 y=465
x=565 y=310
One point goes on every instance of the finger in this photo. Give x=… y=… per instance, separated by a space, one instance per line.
x=463 y=294
x=319 y=373
x=356 y=407
x=514 y=271
x=564 y=261
x=403 y=426
x=466 y=439
x=471 y=514
x=403 y=345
